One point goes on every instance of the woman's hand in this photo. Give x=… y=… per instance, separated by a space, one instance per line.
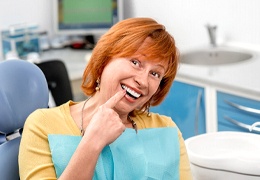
x=106 y=125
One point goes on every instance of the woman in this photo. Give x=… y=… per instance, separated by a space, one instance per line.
x=112 y=135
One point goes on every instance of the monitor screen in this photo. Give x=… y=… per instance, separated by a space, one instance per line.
x=85 y=17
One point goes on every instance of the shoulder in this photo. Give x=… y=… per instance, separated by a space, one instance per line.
x=43 y=118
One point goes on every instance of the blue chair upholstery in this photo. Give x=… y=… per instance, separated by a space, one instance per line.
x=23 y=89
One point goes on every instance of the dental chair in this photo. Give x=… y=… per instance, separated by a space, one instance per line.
x=23 y=89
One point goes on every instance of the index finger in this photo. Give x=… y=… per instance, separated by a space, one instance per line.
x=115 y=99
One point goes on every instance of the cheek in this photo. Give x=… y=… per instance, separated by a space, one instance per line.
x=152 y=90
x=154 y=87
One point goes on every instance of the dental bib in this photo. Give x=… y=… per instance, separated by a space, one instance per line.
x=152 y=153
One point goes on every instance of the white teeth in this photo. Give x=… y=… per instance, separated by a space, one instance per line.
x=132 y=92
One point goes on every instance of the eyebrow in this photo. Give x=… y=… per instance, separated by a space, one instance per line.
x=159 y=65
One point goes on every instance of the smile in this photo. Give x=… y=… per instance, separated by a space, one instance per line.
x=131 y=92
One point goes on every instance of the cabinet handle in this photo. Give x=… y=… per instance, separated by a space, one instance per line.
x=242 y=125
x=243 y=108
x=196 y=127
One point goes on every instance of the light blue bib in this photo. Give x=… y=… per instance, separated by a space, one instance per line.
x=150 y=154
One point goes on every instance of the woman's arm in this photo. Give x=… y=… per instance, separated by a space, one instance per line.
x=35 y=157
x=104 y=127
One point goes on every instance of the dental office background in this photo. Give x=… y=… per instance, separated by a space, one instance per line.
x=237 y=21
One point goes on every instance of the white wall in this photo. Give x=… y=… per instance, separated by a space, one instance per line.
x=237 y=20
x=25 y=11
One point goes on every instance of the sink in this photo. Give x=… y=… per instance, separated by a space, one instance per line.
x=224 y=155
x=215 y=56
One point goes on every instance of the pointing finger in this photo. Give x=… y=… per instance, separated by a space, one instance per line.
x=115 y=99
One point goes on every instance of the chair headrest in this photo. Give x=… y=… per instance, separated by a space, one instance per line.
x=23 y=89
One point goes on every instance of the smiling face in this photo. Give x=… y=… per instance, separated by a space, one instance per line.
x=149 y=47
x=139 y=76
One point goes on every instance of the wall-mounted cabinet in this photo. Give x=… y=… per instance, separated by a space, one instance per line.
x=186 y=106
x=236 y=113
x=198 y=109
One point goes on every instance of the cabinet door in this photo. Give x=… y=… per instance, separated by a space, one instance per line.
x=236 y=113
x=185 y=105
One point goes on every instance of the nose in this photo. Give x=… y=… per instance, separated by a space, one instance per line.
x=141 y=79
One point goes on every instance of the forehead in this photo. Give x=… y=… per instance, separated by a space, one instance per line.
x=149 y=52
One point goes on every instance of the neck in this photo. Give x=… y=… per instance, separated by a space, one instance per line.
x=126 y=122
x=133 y=123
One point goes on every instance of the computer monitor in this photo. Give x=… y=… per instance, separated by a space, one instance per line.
x=85 y=17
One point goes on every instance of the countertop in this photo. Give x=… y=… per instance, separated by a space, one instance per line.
x=75 y=60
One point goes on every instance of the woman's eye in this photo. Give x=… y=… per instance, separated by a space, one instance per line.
x=155 y=74
x=135 y=62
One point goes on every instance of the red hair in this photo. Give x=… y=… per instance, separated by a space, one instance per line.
x=123 y=40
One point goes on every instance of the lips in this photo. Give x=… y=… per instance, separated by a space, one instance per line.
x=131 y=92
